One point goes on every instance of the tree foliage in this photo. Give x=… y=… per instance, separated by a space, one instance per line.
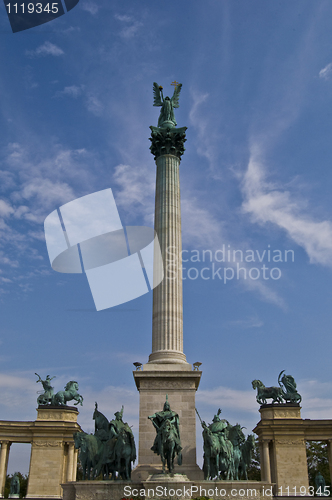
x=23 y=484
x=317 y=459
x=254 y=469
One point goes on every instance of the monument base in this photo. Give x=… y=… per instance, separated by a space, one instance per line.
x=180 y=383
x=169 y=487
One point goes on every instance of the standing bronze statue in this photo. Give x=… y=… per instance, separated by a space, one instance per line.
x=167 y=442
x=14 y=491
x=166 y=117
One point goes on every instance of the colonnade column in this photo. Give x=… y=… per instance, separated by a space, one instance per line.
x=75 y=464
x=4 y=456
x=70 y=462
x=266 y=469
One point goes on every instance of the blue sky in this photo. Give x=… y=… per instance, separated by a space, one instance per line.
x=256 y=175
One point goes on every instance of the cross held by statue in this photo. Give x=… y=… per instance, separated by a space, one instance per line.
x=175 y=83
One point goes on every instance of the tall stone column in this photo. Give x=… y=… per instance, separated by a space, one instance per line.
x=4 y=456
x=167 y=371
x=167 y=319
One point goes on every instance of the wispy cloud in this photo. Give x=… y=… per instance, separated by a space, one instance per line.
x=71 y=91
x=198 y=120
x=94 y=104
x=136 y=190
x=131 y=26
x=90 y=7
x=37 y=181
x=46 y=49
x=251 y=322
x=326 y=72
x=266 y=203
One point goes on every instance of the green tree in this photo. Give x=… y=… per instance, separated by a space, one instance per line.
x=317 y=459
x=254 y=469
x=23 y=484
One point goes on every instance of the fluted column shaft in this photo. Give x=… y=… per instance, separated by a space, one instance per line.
x=4 y=455
x=167 y=322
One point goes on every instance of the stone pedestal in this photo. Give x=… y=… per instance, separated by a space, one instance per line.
x=169 y=487
x=282 y=439
x=181 y=386
x=53 y=457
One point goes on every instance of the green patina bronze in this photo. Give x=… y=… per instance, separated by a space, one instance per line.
x=110 y=451
x=46 y=397
x=167 y=442
x=166 y=138
x=166 y=117
x=60 y=398
x=227 y=454
x=14 y=491
x=285 y=393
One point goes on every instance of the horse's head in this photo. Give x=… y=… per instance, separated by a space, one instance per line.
x=71 y=385
x=257 y=384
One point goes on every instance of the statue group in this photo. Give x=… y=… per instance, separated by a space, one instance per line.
x=227 y=453
x=285 y=393
x=110 y=451
x=60 y=398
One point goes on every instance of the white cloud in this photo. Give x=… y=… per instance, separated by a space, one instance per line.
x=94 y=105
x=326 y=72
x=47 y=49
x=47 y=192
x=5 y=209
x=137 y=185
x=128 y=31
x=197 y=119
x=266 y=203
x=251 y=322
x=71 y=91
x=200 y=227
x=90 y=7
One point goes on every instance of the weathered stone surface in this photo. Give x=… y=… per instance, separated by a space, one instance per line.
x=168 y=488
x=53 y=459
x=181 y=388
x=282 y=440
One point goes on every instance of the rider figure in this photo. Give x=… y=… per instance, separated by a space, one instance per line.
x=48 y=389
x=117 y=424
x=159 y=420
x=218 y=426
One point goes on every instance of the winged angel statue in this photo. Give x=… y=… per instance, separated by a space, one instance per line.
x=166 y=117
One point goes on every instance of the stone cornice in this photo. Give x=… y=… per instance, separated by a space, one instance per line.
x=167 y=141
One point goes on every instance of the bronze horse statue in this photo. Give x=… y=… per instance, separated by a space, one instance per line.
x=70 y=392
x=167 y=446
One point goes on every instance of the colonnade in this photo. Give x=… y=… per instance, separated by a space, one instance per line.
x=282 y=435
x=53 y=458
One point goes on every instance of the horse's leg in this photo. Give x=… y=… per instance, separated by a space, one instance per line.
x=217 y=463
x=162 y=453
